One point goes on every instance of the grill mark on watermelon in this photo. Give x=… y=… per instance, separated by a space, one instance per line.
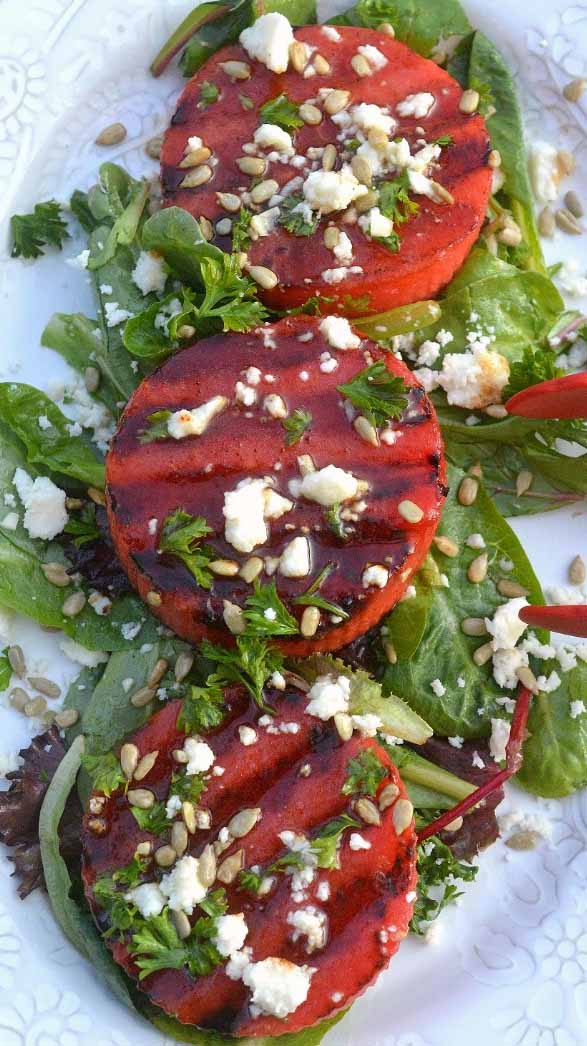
x=433 y=244
x=368 y=891
x=146 y=481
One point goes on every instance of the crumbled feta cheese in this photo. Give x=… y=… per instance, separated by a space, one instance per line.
x=244 y=512
x=328 y=191
x=311 y=923
x=545 y=171
x=461 y=682
x=374 y=56
x=505 y=627
x=275 y=505
x=500 y=735
x=43 y=422
x=247 y=735
x=295 y=558
x=376 y=575
x=477 y=761
x=570 y=281
x=358 y=842
x=331 y=33
x=369 y=117
x=456 y=742
x=78 y=653
x=245 y=394
x=269 y=40
x=367 y=724
x=338 y=333
x=148 y=898
x=339 y=274
x=506 y=664
x=576 y=709
x=194 y=422
x=271 y=136
x=327 y=486
x=200 y=756
x=278 y=986
x=172 y=807
x=264 y=224
x=328 y=363
x=275 y=405
x=428 y=353
x=237 y=964
x=45 y=514
x=474 y=379
x=548 y=684
x=323 y=890
x=183 y=886
x=376 y=224
x=343 y=250
x=231 y=931
x=150 y=273
x=438 y=687
x=328 y=696
x=418 y=105
x=115 y=315
x=476 y=541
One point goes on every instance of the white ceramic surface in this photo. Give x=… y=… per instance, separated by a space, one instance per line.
x=510 y=966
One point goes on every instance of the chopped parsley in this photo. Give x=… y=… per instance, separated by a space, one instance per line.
x=438 y=874
x=203 y=709
x=296 y=220
x=332 y=517
x=266 y=614
x=181 y=536
x=43 y=228
x=250 y=881
x=364 y=774
x=250 y=662
x=311 y=598
x=444 y=139
x=153 y=820
x=394 y=200
x=105 y=772
x=295 y=426
x=157 y=429
x=282 y=112
x=229 y=296
x=241 y=233
x=83 y=527
x=322 y=849
x=378 y=394
x=246 y=102
x=156 y=945
x=536 y=365
x=209 y=93
x=187 y=787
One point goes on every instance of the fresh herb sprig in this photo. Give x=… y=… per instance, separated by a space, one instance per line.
x=45 y=227
x=296 y=424
x=439 y=873
x=105 y=772
x=182 y=536
x=294 y=216
x=312 y=598
x=364 y=774
x=378 y=394
x=282 y=112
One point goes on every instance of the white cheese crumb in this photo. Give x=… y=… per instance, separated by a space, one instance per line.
x=200 y=756
x=245 y=394
x=323 y=890
x=271 y=136
x=328 y=191
x=358 y=842
x=183 y=886
x=327 y=486
x=194 y=422
x=367 y=724
x=376 y=575
x=172 y=807
x=244 y=512
x=231 y=931
x=500 y=735
x=477 y=761
x=114 y=314
x=476 y=541
x=275 y=504
x=150 y=273
x=374 y=56
x=545 y=173
x=577 y=708
x=295 y=558
x=336 y=275
x=311 y=923
x=438 y=688
x=278 y=986
x=44 y=502
x=148 y=898
x=247 y=736
x=269 y=40
x=474 y=379
x=331 y=33
x=264 y=224
x=368 y=117
x=418 y=105
x=456 y=742
x=343 y=249
x=506 y=627
x=275 y=406
x=328 y=696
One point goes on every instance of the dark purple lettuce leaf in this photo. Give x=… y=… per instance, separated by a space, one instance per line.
x=96 y=560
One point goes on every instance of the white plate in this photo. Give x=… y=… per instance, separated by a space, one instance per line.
x=511 y=963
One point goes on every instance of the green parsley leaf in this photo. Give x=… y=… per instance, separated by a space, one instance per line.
x=266 y=614
x=154 y=820
x=241 y=235
x=109 y=891
x=209 y=93
x=536 y=365
x=229 y=296
x=181 y=537
x=5 y=670
x=394 y=200
x=332 y=517
x=105 y=772
x=378 y=394
x=131 y=874
x=250 y=881
x=364 y=774
x=203 y=709
x=310 y=597
x=445 y=139
x=282 y=112
x=43 y=228
x=157 y=946
x=392 y=242
x=83 y=527
x=437 y=868
x=250 y=662
x=294 y=220
x=157 y=429
x=295 y=425
x=325 y=845
x=188 y=787
x=215 y=904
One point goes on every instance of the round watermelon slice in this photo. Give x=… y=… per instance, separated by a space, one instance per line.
x=321 y=920
x=371 y=270
x=288 y=483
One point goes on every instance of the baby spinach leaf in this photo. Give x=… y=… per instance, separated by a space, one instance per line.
x=177 y=236
x=52 y=448
x=126 y=200
x=461 y=710
x=555 y=753
x=405 y=627
x=78 y=339
x=418 y=25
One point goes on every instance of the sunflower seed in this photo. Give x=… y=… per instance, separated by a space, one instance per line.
x=97 y=496
x=230 y=867
x=310 y=114
x=469 y=102
x=567 y=222
x=527 y=678
x=18 y=698
x=146 y=765
x=336 y=101
x=306 y=464
x=329 y=157
x=244 y=822
x=344 y=726
x=366 y=431
x=403 y=813
x=182 y=925
x=66 y=718
x=477 y=569
x=207 y=865
x=165 y=856
x=331 y=236
x=468 y=490
x=361 y=169
x=142 y=697
x=298 y=56
x=56 y=574
x=496 y=410
x=441 y=193
x=179 y=838
x=546 y=222
x=409 y=511
x=251 y=569
x=367 y=811
x=577 y=572
x=366 y=201
x=524 y=481
x=321 y=65
x=387 y=28
x=236 y=70
x=234 y=619
x=186 y=330
x=92 y=378
x=153 y=147
x=454 y=826
x=73 y=504
x=141 y=798
x=36 y=707
x=474 y=626
x=183 y=666
x=524 y=840
x=196 y=157
x=188 y=813
x=387 y=796
x=573 y=204
x=446 y=545
x=114 y=134
x=16 y=660
x=129 y=760
x=207 y=232
x=154 y=599
x=266 y=278
x=197 y=177
x=264 y=190
x=360 y=65
x=158 y=672
x=494 y=159
x=483 y=654
x=573 y=90
x=203 y=819
x=180 y=756
x=251 y=165
x=229 y=202
x=510 y=235
x=45 y=686
x=390 y=652
x=510 y=589
x=310 y=621
x=566 y=161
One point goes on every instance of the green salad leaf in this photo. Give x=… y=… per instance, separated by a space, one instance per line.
x=421 y=26
x=555 y=753
x=78 y=339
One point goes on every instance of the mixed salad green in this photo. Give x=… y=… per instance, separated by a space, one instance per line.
x=506 y=288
